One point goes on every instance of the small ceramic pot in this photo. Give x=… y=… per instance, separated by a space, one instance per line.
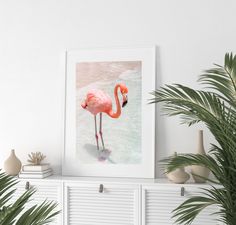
x=178 y=176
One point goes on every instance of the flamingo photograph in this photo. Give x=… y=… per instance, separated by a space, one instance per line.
x=98 y=102
x=113 y=127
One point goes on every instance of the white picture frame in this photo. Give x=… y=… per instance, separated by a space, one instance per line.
x=75 y=69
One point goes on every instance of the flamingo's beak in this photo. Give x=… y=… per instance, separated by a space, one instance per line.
x=125 y=100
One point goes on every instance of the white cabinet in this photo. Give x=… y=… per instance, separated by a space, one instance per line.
x=102 y=204
x=158 y=201
x=107 y=201
x=45 y=189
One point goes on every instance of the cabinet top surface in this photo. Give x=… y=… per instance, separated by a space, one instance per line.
x=158 y=181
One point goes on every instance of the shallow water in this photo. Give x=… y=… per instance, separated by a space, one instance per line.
x=122 y=136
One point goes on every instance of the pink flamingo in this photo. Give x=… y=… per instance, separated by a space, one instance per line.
x=98 y=101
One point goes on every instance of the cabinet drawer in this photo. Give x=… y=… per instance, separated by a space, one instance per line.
x=101 y=204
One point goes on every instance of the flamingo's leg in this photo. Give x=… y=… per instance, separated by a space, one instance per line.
x=100 y=131
x=96 y=132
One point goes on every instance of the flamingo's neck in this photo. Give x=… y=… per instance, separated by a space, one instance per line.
x=118 y=108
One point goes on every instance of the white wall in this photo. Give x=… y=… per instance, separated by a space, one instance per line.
x=34 y=35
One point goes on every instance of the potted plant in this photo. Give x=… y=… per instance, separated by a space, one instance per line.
x=216 y=108
x=15 y=213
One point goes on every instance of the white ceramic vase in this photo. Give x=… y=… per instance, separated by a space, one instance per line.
x=12 y=165
x=200 y=170
x=178 y=176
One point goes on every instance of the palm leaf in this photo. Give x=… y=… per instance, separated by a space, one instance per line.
x=39 y=215
x=223 y=79
x=215 y=107
x=189 y=210
x=13 y=213
x=10 y=213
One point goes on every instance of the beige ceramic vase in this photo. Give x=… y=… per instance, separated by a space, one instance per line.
x=178 y=176
x=200 y=170
x=12 y=165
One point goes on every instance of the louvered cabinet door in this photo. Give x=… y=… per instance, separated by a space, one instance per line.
x=158 y=202
x=45 y=190
x=207 y=216
x=102 y=204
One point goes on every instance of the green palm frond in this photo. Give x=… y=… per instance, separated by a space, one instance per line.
x=195 y=106
x=190 y=209
x=39 y=215
x=6 y=183
x=216 y=108
x=13 y=213
x=9 y=213
x=223 y=79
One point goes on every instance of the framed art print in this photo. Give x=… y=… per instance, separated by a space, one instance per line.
x=109 y=125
